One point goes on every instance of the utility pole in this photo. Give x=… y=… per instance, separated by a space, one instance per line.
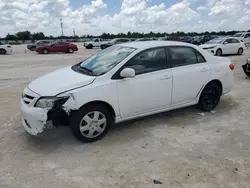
x=61 y=26
x=74 y=32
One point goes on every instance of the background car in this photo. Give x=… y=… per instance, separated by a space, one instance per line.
x=124 y=82
x=94 y=43
x=114 y=41
x=144 y=39
x=246 y=67
x=58 y=46
x=5 y=49
x=33 y=47
x=198 y=40
x=224 y=45
x=172 y=38
x=244 y=37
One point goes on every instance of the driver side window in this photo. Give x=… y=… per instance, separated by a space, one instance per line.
x=148 y=61
x=228 y=41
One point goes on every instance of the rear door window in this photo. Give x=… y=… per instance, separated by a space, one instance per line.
x=183 y=56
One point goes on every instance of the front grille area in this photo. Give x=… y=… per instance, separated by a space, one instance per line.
x=27 y=99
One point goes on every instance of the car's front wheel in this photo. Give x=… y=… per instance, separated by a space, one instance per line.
x=3 y=51
x=45 y=51
x=90 y=123
x=90 y=46
x=70 y=50
x=210 y=97
x=218 y=52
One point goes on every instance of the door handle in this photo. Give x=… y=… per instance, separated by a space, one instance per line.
x=204 y=69
x=166 y=77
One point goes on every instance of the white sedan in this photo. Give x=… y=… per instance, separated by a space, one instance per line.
x=5 y=49
x=124 y=82
x=224 y=46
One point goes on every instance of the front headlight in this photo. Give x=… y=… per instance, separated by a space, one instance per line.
x=211 y=47
x=50 y=102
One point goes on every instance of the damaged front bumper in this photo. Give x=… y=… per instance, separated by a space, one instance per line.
x=35 y=120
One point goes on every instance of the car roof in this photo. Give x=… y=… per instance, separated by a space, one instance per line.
x=152 y=44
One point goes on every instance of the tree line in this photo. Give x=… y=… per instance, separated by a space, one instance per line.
x=27 y=35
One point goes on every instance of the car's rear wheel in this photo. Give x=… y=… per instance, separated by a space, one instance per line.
x=218 y=52
x=3 y=51
x=210 y=97
x=240 y=51
x=90 y=123
x=70 y=50
x=45 y=51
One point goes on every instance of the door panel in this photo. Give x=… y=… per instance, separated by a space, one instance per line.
x=150 y=90
x=145 y=93
x=188 y=81
x=190 y=72
x=228 y=48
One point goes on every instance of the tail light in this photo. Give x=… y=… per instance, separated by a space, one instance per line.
x=231 y=66
x=8 y=46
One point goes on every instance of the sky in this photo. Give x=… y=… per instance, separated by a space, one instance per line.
x=113 y=16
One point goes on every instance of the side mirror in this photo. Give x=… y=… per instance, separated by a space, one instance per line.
x=127 y=73
x=225 y=42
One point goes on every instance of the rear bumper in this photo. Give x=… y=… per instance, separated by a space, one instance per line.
x=228 y=82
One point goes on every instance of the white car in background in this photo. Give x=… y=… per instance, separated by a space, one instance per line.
x=94 y=43
x=224 y=46
x=124 y=82
x=244 y=37
x=5 y=49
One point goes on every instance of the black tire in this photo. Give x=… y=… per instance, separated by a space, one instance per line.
x=240 y=51
x=218 y=52
x=210 y=97
x=33 y=49
x=2 y=51
x=70 y=50
x=90 y=46
x=45 y=51
x=77 y=117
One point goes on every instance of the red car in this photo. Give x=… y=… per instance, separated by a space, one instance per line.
x=57 y=46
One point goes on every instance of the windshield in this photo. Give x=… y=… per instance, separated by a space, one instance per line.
x=105 y=60
x=215 y=41
x=238 y=35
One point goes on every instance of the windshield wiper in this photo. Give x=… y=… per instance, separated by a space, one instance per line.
x=87 y=70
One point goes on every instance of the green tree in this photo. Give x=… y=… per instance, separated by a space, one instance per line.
x=23 y=35
x=10 y=37
x=38 y=36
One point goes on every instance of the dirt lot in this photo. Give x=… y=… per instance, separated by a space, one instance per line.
x=181 y=149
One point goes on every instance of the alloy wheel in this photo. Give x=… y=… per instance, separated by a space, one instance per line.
x=93 y=124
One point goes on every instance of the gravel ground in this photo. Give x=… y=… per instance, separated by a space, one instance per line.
x=180 y=149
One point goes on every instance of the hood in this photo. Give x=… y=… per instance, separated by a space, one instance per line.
x=59 y=81
x=208 y=45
